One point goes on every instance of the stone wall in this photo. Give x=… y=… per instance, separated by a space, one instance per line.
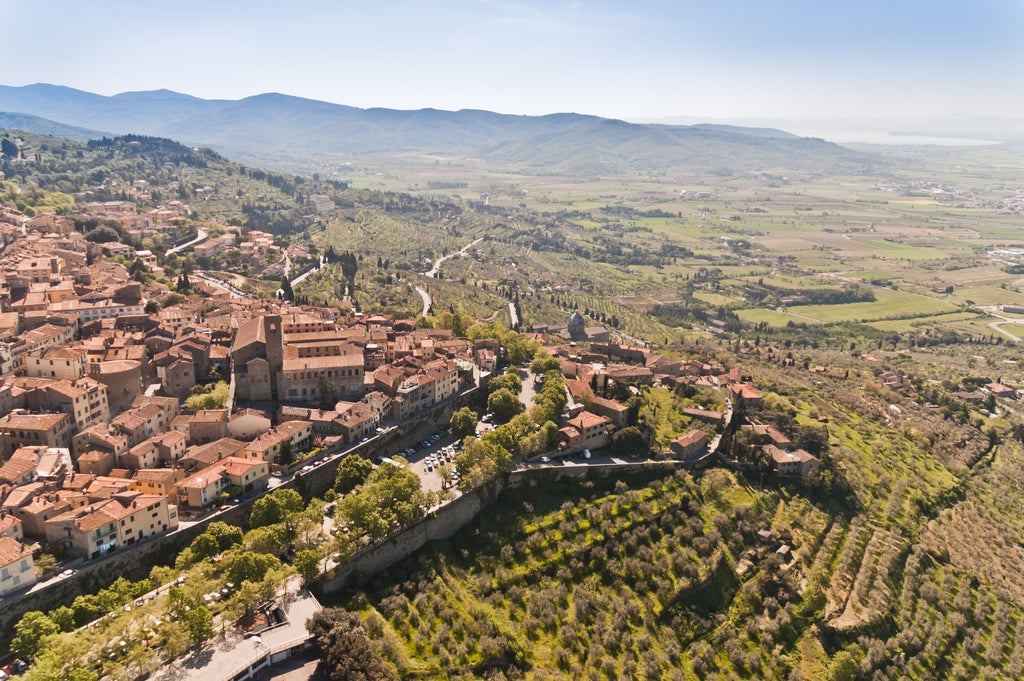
x=419 y=427
x=137 y=561
x=441 y=524
x=449 y=519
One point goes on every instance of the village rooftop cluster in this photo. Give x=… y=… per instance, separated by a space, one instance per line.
x=100 y=453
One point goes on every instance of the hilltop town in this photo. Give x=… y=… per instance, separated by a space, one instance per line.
x=102 y=448
x=219 y=386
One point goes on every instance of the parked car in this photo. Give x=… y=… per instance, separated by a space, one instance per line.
x=545 y=459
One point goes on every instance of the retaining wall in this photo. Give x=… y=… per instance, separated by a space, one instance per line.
x=136 y=562
x=452 y=517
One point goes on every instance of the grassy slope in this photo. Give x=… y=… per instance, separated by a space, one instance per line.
x=655 y=582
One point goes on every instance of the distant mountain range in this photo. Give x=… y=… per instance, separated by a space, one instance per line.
x=281 y=131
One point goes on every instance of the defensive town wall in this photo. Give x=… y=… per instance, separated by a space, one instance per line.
x=135 y=562
x=446 y=521
x=443 y=523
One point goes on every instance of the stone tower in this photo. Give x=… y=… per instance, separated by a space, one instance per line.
x=577 y=326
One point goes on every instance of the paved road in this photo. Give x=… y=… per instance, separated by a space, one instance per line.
x=432 y=272
x=223 y=284
x=298 y=280
x=427 y=300
x=437 y=263
x=200 y=236
x=998 y=326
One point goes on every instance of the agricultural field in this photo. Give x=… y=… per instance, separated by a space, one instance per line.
x=624 y=244
x=907 y=545
x=621 y=582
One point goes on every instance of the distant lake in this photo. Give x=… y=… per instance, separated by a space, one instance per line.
x=883 y=137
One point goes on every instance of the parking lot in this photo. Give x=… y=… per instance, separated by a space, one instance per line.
x=425 y=457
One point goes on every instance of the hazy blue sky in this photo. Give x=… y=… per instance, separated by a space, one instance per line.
x=628 y=59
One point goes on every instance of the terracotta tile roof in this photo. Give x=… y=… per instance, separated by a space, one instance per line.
x=325 y=362
x=8 y=521
x=11 y=551
x=32 y=421
x=252 y=331
x=586 y=420
x=210 y=416
x=163 y=475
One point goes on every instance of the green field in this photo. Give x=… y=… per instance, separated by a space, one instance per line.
x=889 y=304
x=939 y=321
x=900 y=251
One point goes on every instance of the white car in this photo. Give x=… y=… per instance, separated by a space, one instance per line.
x=545 y=459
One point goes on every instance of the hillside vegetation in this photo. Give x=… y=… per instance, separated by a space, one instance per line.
x=860 y=306
x=276 y=130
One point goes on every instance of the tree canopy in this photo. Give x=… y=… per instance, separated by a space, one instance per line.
x=352 y=472
x=346 y=651
x=463 y=422
x=504 y=404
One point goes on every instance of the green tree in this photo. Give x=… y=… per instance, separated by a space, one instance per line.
x=63 y=617
x=29 y=632
x=507 y=381
x=352 y=472
x=390 y=498
x=812 y=438
x=269 y=539
x=843 y=667
x=286 y=289
x=629 y=441
x=481 y=460
x=248 y=566
x=102 y=235
x=208 y=397
x=364 y=514
x=326 y=393
x=265 y=511
x=275 y=507
x=346 y=651
x=504 y=404
x=307 y=564
x=226 y=535
x=286 y=456
x=151 y=307
x=463 y=422
x=138 y=271
x=199 y=622
x=204 y=546
x=543 y=362
x=551 y=398
x=175 y=640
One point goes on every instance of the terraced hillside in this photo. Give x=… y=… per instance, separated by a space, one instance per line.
x=667 y=578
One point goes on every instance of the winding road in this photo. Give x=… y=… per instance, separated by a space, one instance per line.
x=427 y=300
x=200 y=236
x=998 y=326
x=432 y=273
